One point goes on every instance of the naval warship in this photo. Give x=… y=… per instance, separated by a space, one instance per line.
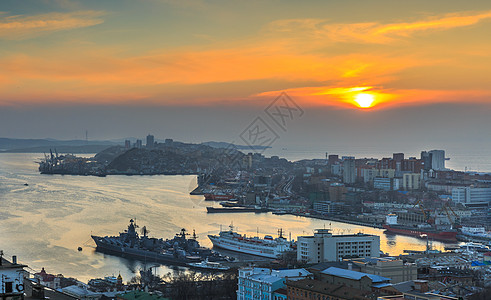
x=179 y=250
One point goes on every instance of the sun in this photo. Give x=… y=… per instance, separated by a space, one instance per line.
x=364 y=100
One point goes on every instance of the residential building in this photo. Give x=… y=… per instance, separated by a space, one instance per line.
x=353 y=279
x=150 y=141
x=49 y=280
x=389 y=267
x=349 y=171
x=414 y=295
x=336 y=169
x=323 y=246
x=12 y=278
x=81 y=292
x=437 y=159
x=333 y=159
x=369 y=173
x=140 y=295
x=411 y=181
x=307 y=289
x=261 y=283
x=398 y=157
x=337 y=192
x=426 y=158
x=381 y=183
x=471 y=196
x=280 y=294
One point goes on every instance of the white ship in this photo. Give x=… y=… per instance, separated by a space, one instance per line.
x=268 y=247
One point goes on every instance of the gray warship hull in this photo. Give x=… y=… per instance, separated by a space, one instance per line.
x=105 y=246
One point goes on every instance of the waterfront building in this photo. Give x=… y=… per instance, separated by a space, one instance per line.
x=150 y=141
x=11 y=278
x=326 y=207
x=349 y=171
x=323 y=246
x=471 y=196
x=261 y=283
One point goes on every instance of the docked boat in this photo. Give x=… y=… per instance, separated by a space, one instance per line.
x=267 y=247
x=474 y=247
x=425 y=231
x=218 y=197
x=179 y=250
x=208 y=265
x=230 y=204
x=211 y=209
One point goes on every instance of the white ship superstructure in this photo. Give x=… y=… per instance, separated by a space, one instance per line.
x=268 y=247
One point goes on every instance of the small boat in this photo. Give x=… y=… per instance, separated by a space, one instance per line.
x=474 y=247
x=209 y=265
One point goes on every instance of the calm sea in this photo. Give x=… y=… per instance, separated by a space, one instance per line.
x=45 y=222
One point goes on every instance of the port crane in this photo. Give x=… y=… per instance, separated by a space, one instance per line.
x=451 y=213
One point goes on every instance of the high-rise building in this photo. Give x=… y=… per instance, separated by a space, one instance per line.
x=349 y=171
x=426 y=158
x=437 y=160
x=323 y=246
x=127 y=144
x=398 y=157
x=333 y=159
x=150 y=141
x=139 y=144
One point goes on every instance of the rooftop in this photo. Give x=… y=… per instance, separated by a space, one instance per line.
x=5 y=264
x=354 y=275
x=317 y=286
x=139 y=295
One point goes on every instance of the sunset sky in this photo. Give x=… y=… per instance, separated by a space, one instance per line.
x=69 y=66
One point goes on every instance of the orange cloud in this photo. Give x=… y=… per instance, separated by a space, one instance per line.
x=21 y=26
x=374 y=32
x=243 y=71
